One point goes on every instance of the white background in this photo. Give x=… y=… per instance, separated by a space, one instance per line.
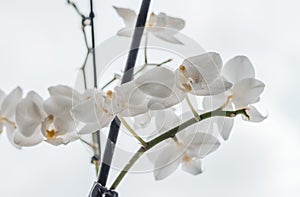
x=41 y=45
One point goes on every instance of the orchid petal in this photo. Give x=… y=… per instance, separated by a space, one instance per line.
x=204 y=67
x=131 y=99
x=87 y=111
x=29 y=114
x=63 y=139
x=64 y=124
x=33 y=140
x=193 y=166
x=217 y=87
x=2 y=96
x=167 y=162
x=238 y=68
x=153 y=154
x=89 y=128
x=10 y=102
x=125 y=32
x=142 y=120
x=224 y=125
x=157 y=82
x=10 y=132
x=201 y=144
x=174 y=98
x=57 y=105
x=213 y=102
x=128 y=16
x=165 y=120
x=247 y=91
x=167 y=35
x=162 y=20
x=254 y=114
x=62 y=90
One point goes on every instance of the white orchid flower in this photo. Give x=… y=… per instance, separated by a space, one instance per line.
x=161 y=25
x=200 y=75
x=93 y=112
x=99 y=109
x=154 y=90
x=59 y=126
x=244 y=92
x=49 y=120
x=246 y=89
x=7 y=112
x=187 y=149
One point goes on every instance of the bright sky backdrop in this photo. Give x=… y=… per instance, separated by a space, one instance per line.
x=41 y=45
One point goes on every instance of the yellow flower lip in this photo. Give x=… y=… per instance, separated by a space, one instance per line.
x=50 y=134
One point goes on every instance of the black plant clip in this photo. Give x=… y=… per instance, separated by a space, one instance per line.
x=99 y=191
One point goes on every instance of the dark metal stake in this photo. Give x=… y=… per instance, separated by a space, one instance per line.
x=128 y=75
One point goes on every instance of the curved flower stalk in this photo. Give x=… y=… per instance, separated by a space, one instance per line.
x=171 y=133
x=49 y=120
x=245 y=91
x=8 y=105
x=160 y=25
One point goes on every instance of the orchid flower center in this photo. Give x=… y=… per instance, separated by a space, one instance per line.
x=186 y=86
x=186 y=158
x=110 y=95
x=150 y=24
x=50 y=134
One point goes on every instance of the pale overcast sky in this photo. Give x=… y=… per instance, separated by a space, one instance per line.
x=42 y=45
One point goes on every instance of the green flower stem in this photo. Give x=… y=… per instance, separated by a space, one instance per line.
x=133 y=133
x=171 y=133
x=108 y=83
x=196 y=115
x=164 y=62
x=153 y=64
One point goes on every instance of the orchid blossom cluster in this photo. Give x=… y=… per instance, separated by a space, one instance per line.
x=224 y=91
x=30 y=120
